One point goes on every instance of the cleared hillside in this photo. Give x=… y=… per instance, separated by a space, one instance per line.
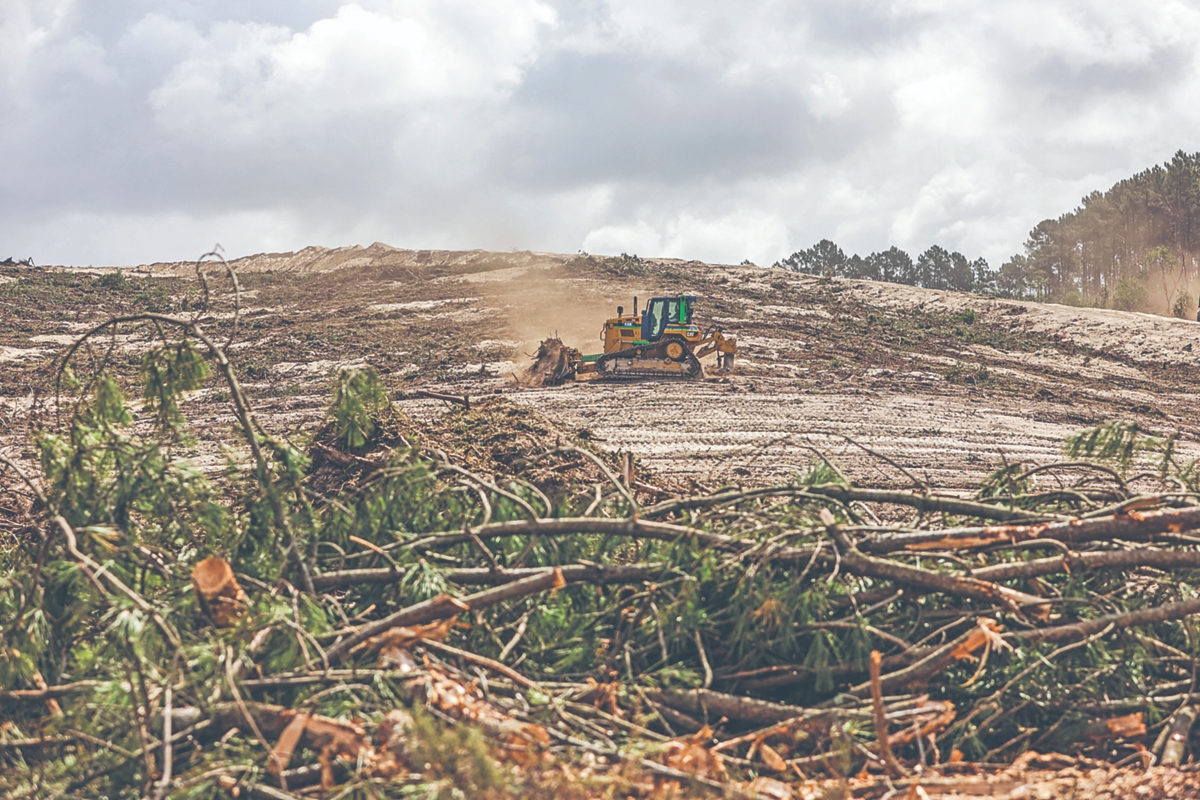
x=947 y=385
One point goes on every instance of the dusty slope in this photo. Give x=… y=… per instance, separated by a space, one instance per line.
x=892 y=367
x=947 y=385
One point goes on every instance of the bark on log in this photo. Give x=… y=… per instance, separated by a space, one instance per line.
x=1180 y=728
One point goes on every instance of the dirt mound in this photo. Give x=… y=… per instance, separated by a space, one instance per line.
x=498 y=437
x=494 y=437
x=315 y=259
x=335 y=468
x=551 y=365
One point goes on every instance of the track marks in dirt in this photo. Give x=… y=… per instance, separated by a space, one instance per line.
x=946 y=384
x=715 y=432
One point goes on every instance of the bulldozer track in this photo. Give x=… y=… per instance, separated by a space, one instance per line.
x=696 y=369
x=631 y=376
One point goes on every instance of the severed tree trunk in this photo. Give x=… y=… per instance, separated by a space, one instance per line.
x=217 y=591
x=1176 y=747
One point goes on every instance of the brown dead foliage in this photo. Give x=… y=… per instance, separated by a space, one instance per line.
x=523 y=742
x=692 y=755
x=393 y=644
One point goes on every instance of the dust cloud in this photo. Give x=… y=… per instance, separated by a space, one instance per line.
x=539 y=307
x=1162 y=292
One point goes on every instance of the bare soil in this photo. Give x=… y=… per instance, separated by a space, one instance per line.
x=895 y=383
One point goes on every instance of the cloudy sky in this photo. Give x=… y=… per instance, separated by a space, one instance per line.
x=139 y=130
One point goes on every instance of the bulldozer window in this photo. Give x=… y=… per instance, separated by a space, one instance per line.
x=678 y=312
x=673 y=309
x=655 y=319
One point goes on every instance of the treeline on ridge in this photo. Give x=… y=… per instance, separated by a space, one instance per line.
x=1135 y=247
x=936 y=268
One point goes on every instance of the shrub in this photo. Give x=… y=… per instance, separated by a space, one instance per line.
x=360 y=397
x=111 y=280
x=1129 y=294
x=1183 y=305
x=1075 y=299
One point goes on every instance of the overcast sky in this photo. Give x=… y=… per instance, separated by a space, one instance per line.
x=135 y=131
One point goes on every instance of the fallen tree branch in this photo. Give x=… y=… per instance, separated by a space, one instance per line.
x=296 y=679
x=494 y=666
x=929 y=503
x=443 y=606
x=705 y=702
x=1178 y=731
x=1160 y=558
x=918 y=672
x=853 y=560
x=881 y=724
x=250 y=427
x=572 y=526
x=600 y=574
x=461 y=399
x=1132 y=526
x=1084 y=628
x=35 y=744
x=49 y=693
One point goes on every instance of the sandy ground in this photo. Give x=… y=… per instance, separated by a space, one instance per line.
x=785 y=402
x=773 y=428
x=947 y=386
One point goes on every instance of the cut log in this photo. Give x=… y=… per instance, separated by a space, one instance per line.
x=217 y=591
x=1176 y=748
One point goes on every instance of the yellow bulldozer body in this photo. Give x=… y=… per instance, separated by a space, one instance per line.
x=662 y=342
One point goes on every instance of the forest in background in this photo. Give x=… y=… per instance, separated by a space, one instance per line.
x=1135 y=247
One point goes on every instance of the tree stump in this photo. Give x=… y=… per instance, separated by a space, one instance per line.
x=217 y=591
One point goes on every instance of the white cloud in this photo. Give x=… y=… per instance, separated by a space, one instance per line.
x=691 y=128
x=827 y=96
x=23 y=27
x=639 y=238
x=729 y=239
x=172 y=235
x=248 y=80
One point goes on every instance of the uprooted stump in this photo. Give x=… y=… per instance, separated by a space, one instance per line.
x=551 y=365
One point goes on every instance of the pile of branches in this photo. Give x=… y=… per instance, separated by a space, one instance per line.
x=423 y=627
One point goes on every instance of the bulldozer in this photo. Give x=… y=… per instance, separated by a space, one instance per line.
x=663 y=341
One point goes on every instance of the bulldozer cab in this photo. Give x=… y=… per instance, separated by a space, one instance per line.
x=663 y=311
